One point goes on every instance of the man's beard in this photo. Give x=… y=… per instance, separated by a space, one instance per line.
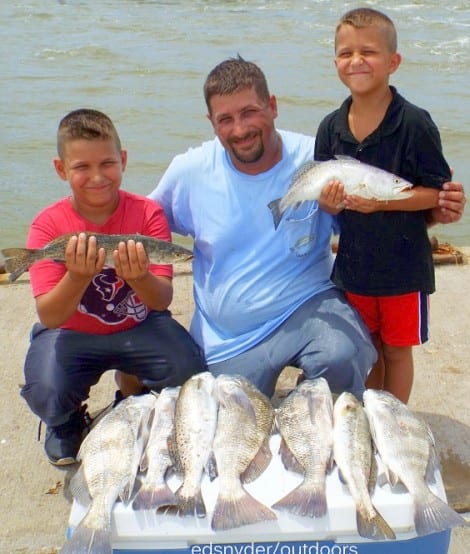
x=249 y=157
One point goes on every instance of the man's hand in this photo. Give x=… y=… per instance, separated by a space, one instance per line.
x=451 y=204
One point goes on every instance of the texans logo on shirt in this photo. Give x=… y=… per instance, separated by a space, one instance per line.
x=111 y=300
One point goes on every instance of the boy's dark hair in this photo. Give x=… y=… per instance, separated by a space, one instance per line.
x=367 y=17
x=235 y=75
x=86 y=124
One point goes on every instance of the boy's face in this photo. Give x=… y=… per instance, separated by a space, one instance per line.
x=363 y=59
x=94 y=171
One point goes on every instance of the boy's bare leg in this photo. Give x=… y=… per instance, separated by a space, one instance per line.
x=128 y=384
x=376 y=377
x=399 y=371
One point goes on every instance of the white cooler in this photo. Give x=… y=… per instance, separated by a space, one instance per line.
x=147 y=532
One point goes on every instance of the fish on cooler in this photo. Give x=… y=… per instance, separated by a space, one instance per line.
x=356 y=463
x=241 y=450
x=406 y=447
x=305 y=422
x=358 y=178
x=195 y=424
x=157 y=458
x=109 y=459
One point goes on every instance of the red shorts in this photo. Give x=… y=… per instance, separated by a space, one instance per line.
x=399 y=320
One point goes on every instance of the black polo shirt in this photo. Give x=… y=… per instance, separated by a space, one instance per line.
x=386 y=253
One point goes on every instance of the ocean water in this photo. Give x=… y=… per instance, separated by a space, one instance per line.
x=144 y=64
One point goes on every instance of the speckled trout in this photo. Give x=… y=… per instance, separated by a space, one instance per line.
x=358 y=178
x=19 y=260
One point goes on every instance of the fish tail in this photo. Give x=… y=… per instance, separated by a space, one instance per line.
x=150 y=498
x=230 y=512
x=18 y=261
x=275 y=207
x=434 y=515
x=373 y=526
x=85 y=540
x=190 y=505
x=304 y=500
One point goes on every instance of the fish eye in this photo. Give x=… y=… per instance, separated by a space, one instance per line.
x=396 y=180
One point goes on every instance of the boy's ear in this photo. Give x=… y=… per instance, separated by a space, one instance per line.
x=59 y=168
x=123 y=159
x=395 y=62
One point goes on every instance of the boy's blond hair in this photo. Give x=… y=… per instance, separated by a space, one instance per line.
x=368 y=17
x=235 y=75
x=86 y=124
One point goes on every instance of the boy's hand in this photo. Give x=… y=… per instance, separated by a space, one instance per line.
x=82 y=259
x=362 y=205
x=332 y=197
x=130 y=261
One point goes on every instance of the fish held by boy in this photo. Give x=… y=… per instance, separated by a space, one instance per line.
x=406 y=447
x=19 y=260
x=358 y=179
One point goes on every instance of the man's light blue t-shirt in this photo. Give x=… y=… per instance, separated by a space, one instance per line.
x=248 y=276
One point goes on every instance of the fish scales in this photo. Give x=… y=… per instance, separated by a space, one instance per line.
x=19 y=260
x=195 y=424
x=244 y=425
x=406 y=447
x=305 y=422
x=157 y=459
x=355 y=459
x=358 y=178
x=109 y=456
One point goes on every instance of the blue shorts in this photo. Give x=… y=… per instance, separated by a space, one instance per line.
x=323 y=337
x=62 y=365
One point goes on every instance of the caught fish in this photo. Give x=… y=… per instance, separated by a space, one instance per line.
x=406 y=447
x=157 y=458
x=305 y=422
x=356 y=463
x=19 y=260
x=241 y=449
x=195 y=424
x=358 y=178
x=109 y=456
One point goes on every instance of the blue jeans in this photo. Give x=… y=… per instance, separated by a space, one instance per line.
x=323 y=337
x=62 y=365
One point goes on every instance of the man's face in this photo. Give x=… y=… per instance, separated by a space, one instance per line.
x=244 y=125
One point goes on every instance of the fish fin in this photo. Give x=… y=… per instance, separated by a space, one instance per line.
x=304 y=501
x=190 y=505
x=18 y=261
x=372 y=475
x=276 y=212
x=288 y=459
x=341 y=477
x=79 y=488
x=211 y=467
x=433 y=515
x=232 y=512
x=259 y=463
x=85 y=539
x=154 y=497
x=347 y=158
x=374 y=527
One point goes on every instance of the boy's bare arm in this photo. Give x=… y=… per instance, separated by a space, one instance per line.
x=422 y=198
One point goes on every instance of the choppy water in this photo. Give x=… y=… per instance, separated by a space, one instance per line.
x=144 y=63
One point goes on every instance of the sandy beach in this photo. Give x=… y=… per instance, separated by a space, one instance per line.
x=34 y=504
